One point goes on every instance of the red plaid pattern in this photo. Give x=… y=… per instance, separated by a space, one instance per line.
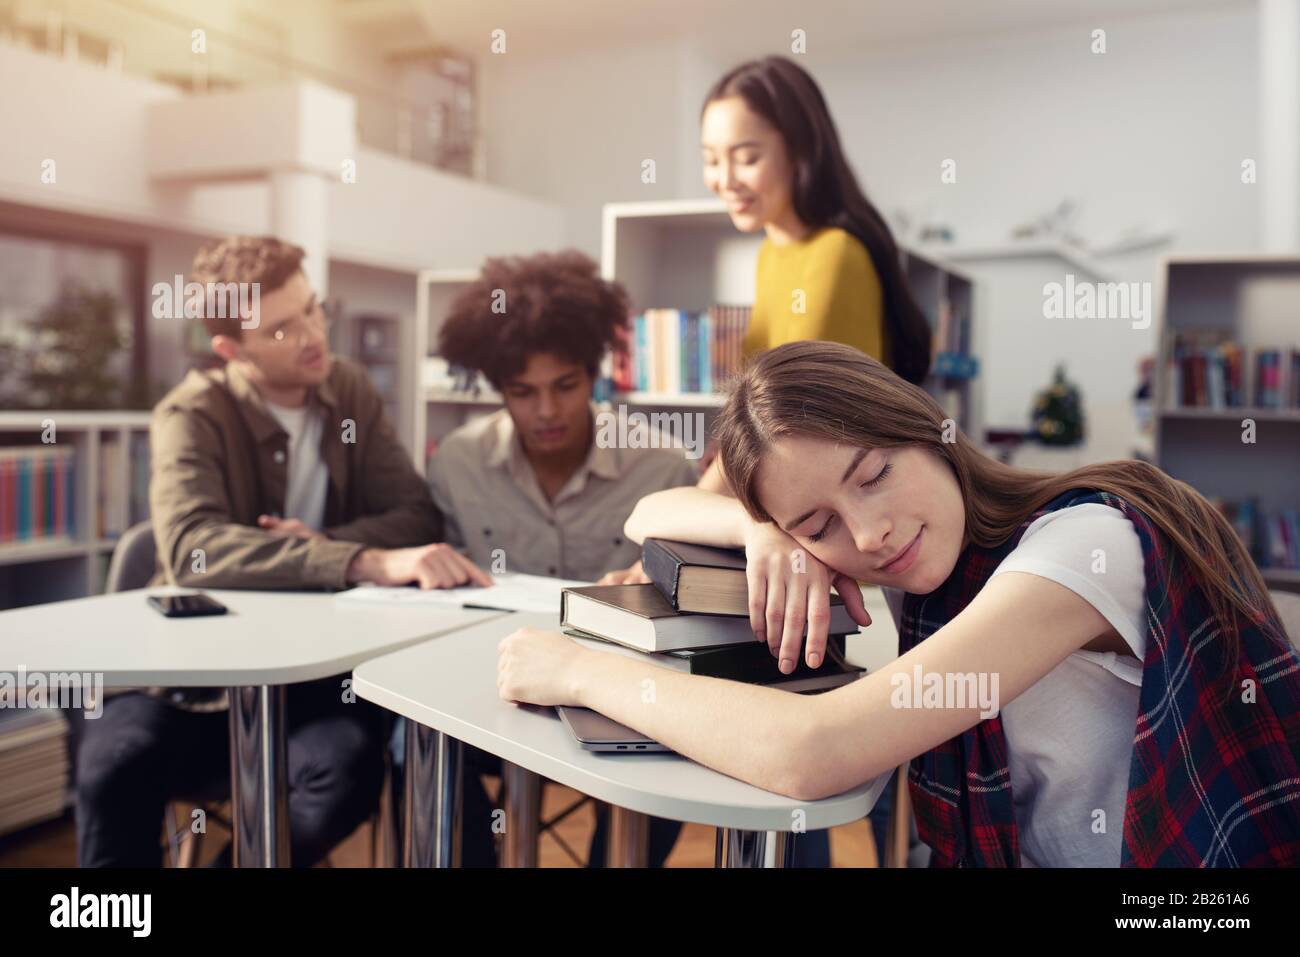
x=1214 y=781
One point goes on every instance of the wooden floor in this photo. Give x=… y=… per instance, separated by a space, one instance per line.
x=54 y=844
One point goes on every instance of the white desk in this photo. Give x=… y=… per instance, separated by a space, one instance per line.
x=448 y=688
x=266 y=641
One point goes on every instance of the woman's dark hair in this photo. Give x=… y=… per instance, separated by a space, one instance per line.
x=826 y=193
x=551 y=302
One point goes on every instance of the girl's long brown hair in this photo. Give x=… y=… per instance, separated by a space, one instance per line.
x=831 y=391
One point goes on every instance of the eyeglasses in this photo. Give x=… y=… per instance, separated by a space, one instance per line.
x=299 y=330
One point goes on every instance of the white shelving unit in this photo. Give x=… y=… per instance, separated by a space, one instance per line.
x=51 y=570
x=686 y=254
x=1251 y=300
x=437 y=412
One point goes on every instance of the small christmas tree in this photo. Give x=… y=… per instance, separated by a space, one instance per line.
x=1058 y=412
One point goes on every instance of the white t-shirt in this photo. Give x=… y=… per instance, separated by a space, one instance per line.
x=1070 y=735
x=308 y=479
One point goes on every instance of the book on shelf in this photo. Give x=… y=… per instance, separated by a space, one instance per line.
x=675 y=351
x=952 y=332
x=641 y=617
x=1277 y=379
x=752 y=663
x=1207 y=370
x=139 y=498
x=954 y=365
x=1271 y=536
x=37 y=493
x=111 y=518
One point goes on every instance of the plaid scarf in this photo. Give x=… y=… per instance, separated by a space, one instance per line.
x=1211 y=784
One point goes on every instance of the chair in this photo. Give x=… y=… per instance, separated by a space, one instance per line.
x=135 y=559
x=134 y=562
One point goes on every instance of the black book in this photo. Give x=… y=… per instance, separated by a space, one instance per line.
x=702 y=579
x=752 y=664
x=698 y=578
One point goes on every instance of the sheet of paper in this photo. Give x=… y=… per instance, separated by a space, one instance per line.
x=512 y=592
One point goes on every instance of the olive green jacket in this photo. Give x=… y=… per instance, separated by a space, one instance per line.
x=219 y=460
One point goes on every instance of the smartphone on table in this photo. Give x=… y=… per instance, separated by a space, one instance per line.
x=186 y=606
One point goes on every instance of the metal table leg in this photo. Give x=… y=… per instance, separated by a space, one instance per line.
x=738 y=848
x=523 y=807
x=629 y=838
x=434 y=772
x=259 y=795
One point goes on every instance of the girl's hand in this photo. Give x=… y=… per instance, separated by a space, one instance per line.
x=538 y=667
x=790 y=589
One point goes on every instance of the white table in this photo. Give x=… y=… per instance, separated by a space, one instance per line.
x=266 y=641
x=447 y=687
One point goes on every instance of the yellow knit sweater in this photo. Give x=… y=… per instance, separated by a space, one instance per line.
x=823 y=287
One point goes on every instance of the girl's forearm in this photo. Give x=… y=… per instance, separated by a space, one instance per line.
x=759 y=735
x=689 y=514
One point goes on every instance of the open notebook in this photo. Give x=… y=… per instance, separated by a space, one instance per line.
x=512 y=592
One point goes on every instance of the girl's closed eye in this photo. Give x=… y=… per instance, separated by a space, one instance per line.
x=880 y=476
x=817 y=537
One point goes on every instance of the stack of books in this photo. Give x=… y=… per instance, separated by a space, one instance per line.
x=694 y=618
x=1208 y=371
x=675 y=351
x=1272 y=536
x=37 y=491
x=33 y=763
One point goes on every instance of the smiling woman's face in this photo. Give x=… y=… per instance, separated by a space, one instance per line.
x=885 y=516
x=746 y=164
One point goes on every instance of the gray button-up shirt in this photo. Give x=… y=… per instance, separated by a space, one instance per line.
x=496 y=512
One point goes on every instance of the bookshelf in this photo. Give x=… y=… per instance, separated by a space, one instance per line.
x=686 y=254
x=1250 y=300
x=438 y=410
x=109 y=494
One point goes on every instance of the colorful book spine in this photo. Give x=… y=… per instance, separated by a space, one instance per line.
x=674 y=351
x=37 y=484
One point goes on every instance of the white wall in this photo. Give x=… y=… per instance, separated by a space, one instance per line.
x=575 y=130
x=1151 y=132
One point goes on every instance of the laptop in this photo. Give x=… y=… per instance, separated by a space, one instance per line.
x=595 y=732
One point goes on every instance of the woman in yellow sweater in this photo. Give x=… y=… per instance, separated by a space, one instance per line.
x=829 y=267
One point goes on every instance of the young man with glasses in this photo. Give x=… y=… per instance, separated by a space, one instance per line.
x=276 y=470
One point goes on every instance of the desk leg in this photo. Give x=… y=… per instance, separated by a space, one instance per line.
x=737 y=848
x=259 y=790
x=629 y=838
x=434 y=772
x=523 y=807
